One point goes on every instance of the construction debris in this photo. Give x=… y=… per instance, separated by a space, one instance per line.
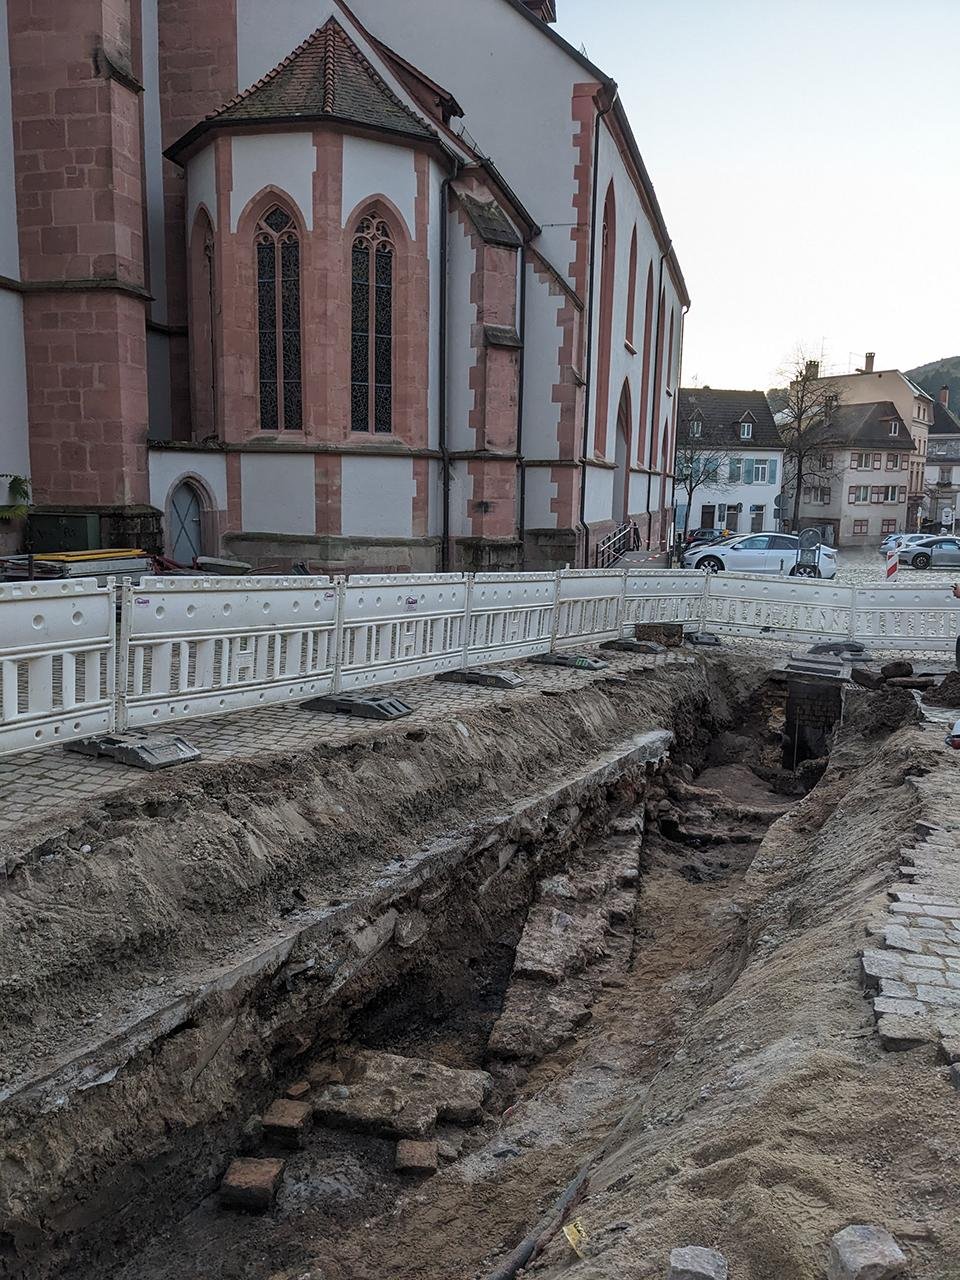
x=865 y=1253
x=251 y=1184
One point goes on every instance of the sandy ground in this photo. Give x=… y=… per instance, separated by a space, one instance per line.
x=729 y=1090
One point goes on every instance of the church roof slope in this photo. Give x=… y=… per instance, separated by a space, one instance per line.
x=326 y=76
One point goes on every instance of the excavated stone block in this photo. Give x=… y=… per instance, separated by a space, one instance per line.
x=416 y=1157
x=694 y=1263
x=286 y=1122
x=879 y=964
x=866 y=679
x=897 y=1032
x=251 y=1184
x=298 y=1091
x=865 y=1253
x=400 y=1097
x=911 y=682
x=896 y=670
x=556 y=943
x=666 y=633
x=950 y=1051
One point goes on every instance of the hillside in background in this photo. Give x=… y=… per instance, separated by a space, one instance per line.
x=931 y=377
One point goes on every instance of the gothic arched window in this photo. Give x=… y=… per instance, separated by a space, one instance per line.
x=278 y=322
x=371 y=344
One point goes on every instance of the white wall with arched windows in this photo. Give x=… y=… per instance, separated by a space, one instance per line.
x=379 y=169
x=286 y=161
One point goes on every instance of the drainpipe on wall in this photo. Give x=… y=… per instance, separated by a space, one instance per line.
x=657 y=384
x=673 y=485
x=521 y=464
x=588 y=372
x=442 y=416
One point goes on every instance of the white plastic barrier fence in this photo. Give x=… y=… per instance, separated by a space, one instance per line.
x=398 y=628
x=800 y=609
x=57 y=655
x=589 y=606
x=203 y=646
x=906 y=617
x=663 y=596
x=512 y=616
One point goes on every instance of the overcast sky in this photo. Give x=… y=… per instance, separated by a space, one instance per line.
x=807 y=159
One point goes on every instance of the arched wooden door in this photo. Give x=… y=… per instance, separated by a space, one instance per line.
x=186 y=537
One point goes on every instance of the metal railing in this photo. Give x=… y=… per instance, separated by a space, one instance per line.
x=611 y=548
x=190 y=647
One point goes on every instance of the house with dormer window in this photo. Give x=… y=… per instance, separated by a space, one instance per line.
x=729 y=443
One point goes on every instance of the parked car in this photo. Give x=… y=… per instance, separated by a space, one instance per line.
x=760 y=553
x=899 y=540
x=931 y=553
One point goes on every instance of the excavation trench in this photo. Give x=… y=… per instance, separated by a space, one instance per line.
x=559 y=946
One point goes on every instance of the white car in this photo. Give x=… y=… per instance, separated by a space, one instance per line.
x=900 y=540
x=760 y=553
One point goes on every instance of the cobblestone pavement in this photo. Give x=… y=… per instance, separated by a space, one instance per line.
x=38 y=785
x=868 y=569
x=916 y=974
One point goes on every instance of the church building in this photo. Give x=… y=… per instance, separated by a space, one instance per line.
x=368 y=286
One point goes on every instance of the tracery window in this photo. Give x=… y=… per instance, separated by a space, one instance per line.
x=371 y=347
x=278 y=322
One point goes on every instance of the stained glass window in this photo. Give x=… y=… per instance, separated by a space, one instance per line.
x=278 y=322
x=371 y=350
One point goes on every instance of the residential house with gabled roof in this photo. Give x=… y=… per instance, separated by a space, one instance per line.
x=273 y=298
x=915 y=408
x=728 y=442
x=942 y=474
x=861 y=486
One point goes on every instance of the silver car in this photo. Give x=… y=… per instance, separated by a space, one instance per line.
x=932 y=553
x=760 y=553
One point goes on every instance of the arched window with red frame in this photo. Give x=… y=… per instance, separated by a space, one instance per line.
x=372 y=321
x=278 y=322
x=632 y=288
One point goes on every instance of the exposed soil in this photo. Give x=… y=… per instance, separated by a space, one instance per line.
x=727 y=1087
x=152 y=999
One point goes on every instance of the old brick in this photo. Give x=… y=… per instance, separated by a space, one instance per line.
x=694 y=1263
x=865 y=1253
x=416 y=1157
x=251 y=1184
x=299 y=1090
x=286 y=1122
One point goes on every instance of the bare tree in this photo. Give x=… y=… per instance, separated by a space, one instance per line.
x=699 y=464
x=805 y=428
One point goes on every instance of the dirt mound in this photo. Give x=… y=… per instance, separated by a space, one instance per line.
x=875 y=714
x=946 y=693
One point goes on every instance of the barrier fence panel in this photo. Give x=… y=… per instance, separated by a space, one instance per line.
x=800 y=609
x=512 y=616
x=202 y=646
x=663 y=596
x=906 y=617
x=399 y=628
x=589 y=606
x=57 y=655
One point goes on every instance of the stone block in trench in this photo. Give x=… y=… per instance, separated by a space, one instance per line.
x=251 y=1184
x=416 y=1157
x=285 y=1122
x=865 y=1253
x=559 y=942
x=397 y=1096
x=694 y=1263
x=537 y=1019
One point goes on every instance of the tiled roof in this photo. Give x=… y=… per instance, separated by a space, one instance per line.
x=721 y=412
x=945 y=423
x=866 y=424
x=327 y=75
x=491 y=222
